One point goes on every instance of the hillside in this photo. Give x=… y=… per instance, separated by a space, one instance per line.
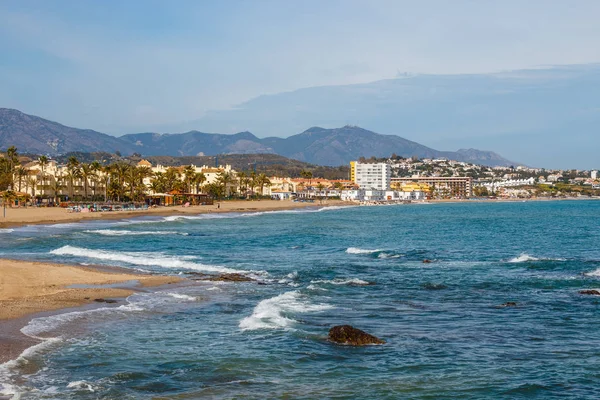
x=331 y=147
x=33 y=134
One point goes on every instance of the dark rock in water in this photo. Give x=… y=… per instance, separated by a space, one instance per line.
x=592 y=292
x=434 y=286
x=346 y=334
x=426 y=261
x=234 y=277
x=109 y=301
x=509 y=304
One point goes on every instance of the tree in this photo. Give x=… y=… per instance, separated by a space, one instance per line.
x=30 y=182
x=43 y=162
x=189 y=175
x=226 y=180
x=73 y=173
x=21 y=173
x=263 y=181
x=56 y=186
x=320 y=188
x=199 y=179
x=87 y=172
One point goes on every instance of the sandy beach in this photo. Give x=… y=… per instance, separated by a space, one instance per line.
x=51 y=215
x=27 y=288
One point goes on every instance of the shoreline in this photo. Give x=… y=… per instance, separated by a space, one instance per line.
x=18 y=309
x=18 y=217
x=37 y=289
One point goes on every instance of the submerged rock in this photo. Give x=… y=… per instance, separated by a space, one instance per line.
x=109 y=301
x=592 y=292
x=346 y=334
x=509 y=304
x=434 y=286
x=427 y=261
x=233 y=277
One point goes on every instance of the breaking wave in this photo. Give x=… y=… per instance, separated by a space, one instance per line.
x=277 y=312
x=524 y=257
x=356 y=250
x=143 y=259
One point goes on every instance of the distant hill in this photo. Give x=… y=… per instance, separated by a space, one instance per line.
x=316 y=145
x=33 y=134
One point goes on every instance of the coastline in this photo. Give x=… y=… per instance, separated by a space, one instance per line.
x=34 y=289
x=31 y=289
x=16 y=217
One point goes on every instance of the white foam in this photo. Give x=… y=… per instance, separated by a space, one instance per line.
x=81 y=385
x=143 y=259
x=524 y=257
x=6 y=230
x=388 y=255
x=182 y=296
x=111 y=232
x=356 y=250
x=337 y=281
x=593 y=273
x=274 y=313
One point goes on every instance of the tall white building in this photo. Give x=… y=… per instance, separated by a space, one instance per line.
x=372 y=176
x=594 y=174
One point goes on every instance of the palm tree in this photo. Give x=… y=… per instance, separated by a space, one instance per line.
x=73 y=173
x=56 y=186
x=87 y=172
x=20 y=172
x=31 y=182
x=12 y=157
x=172 y=179
x=43 y=161
x=119 y=172
x=226 y=180
x=189 y=173
x=242 y=178
x=199 y=179
x=320 y=188
x=263 y=181
x=96 y=168
x=307 y=175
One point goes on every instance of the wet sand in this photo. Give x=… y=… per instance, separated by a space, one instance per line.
x=28 y=288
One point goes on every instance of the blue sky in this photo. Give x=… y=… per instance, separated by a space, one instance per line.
x=130 y=66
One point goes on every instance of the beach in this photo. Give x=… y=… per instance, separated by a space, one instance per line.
x=51 y=215
x=28 y=288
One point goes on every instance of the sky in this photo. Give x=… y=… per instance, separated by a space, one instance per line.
x=131 y=66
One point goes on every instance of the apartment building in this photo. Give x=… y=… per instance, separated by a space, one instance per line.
x=374 y=176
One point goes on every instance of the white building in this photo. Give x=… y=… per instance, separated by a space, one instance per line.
x=373 y=176
x=594 y=175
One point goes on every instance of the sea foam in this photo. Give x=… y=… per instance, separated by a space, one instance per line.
x=115 y=232
x=356 y=250
x=524 y=257
x=337 y=281
x=143 y=259
x=276 y=312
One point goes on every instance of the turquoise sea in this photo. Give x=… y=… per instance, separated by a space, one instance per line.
x=448 y=335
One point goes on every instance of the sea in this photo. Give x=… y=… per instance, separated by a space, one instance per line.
x=497 y=312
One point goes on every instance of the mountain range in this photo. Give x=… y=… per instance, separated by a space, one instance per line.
x=316 y=145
